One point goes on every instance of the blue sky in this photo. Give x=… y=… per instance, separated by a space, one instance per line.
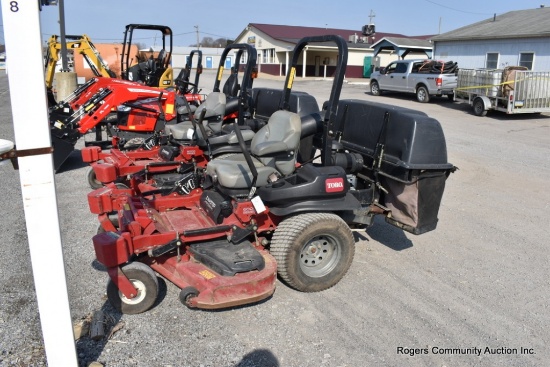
x=104 y=21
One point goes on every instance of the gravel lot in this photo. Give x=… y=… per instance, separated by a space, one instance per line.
x=479 y=281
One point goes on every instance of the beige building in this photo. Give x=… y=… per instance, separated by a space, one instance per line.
x=275 y=43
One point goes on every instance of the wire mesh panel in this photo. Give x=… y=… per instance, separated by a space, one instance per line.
x=532 y=90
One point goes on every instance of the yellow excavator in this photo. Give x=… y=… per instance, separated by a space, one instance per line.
x=81 y=44
x=153 y=71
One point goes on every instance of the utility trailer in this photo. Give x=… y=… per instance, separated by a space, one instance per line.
x=513 y=90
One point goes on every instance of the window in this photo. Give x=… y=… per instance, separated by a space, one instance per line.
x=526 y=59
x=401 y=68
x=391 y=68
x=491 y=62
x=268 y=56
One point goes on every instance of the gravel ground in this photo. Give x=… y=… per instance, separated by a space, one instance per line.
x=479 y=281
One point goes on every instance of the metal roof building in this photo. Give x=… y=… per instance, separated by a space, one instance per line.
x=520 y=37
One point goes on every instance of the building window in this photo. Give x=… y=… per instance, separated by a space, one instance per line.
x=268 y=56
x=526 y=59
x=492 y=60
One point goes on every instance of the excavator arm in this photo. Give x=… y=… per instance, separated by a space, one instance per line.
x=81 y=44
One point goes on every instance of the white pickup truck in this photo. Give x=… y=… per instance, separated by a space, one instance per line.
x=424 y=78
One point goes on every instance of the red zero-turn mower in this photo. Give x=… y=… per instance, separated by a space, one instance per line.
x=260 y=213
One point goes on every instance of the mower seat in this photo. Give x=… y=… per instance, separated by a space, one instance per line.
x=274 y=150
x=215 y=110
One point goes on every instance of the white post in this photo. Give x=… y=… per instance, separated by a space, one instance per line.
x=304 y=57
x=286 y=62
x=30 y=119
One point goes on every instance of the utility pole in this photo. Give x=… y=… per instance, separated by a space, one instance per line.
x=198 y=43
x=64 y=63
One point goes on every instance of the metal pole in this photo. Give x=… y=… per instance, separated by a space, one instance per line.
x=198 y=44
x=26 y=84
x=64 y=63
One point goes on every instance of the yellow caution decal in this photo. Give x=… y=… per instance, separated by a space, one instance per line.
x=207 y=274
x=291 y=77
x=170 y=108
x=220 y=73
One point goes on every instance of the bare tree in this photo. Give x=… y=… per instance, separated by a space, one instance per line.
x=210 y=42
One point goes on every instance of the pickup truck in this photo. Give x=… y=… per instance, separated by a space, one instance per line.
x=424 y=78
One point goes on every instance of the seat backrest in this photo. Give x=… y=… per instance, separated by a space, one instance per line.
x=160 y=58
x=214 y=104
x=282 y=132
x=231 y=86
x=182 y=80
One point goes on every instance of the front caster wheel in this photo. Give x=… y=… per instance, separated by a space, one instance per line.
x=144 y=280
x=313 y=251
x=92 y=180
x=186 y=294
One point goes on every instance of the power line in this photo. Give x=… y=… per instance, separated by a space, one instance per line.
x=216 y=35
x=119 y=40
x=459 y=10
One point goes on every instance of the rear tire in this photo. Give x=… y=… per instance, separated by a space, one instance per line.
x=313 y=251
x=375 y=88
x=422 y=94
x=145 y=281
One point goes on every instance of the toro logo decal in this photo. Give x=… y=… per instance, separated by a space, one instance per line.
x=334 y=184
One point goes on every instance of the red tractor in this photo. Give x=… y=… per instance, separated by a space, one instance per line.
x=253 y=215
x=152 y=107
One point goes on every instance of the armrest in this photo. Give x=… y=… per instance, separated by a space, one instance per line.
x=247 y=135
x=269 y=147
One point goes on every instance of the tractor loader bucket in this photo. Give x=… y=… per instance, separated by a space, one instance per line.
x=62 y=149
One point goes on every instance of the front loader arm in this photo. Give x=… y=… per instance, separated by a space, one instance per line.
x=107 y=99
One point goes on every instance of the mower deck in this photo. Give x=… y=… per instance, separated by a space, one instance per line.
x=214 y=290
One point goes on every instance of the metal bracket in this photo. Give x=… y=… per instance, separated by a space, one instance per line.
x=14 y=154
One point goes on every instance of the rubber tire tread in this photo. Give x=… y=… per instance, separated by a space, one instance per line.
x=378 y=91
x=479 y=107
x=286 y=245
x=426 y=93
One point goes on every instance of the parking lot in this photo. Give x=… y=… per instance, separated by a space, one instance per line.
x=474 y=292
